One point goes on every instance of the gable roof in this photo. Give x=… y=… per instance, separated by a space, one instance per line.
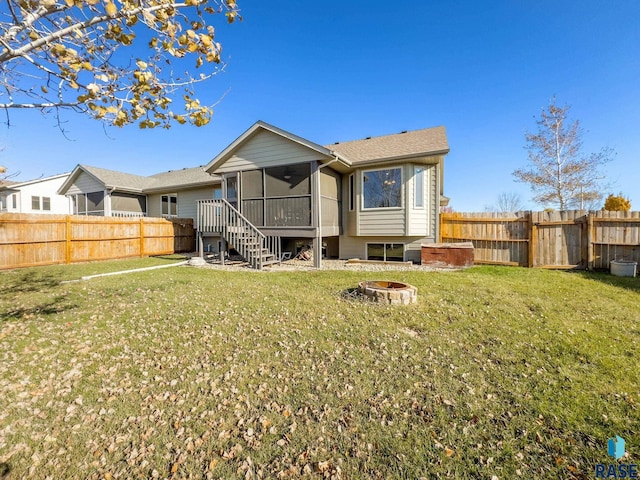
x=10 y=185
x=112 y=179
x=115 y=179
x=109 y=178
x=7 y=183
x=228 y=152
x=416 y=143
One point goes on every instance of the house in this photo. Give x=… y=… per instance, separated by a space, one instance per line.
x=98 y=191
x=376 y=198
x=34 y=196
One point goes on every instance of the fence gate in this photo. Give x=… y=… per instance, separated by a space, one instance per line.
x=571 y=239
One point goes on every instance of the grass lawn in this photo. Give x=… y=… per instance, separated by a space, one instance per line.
x=193 y=373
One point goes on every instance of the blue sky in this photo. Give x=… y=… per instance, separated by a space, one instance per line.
x=335 y=71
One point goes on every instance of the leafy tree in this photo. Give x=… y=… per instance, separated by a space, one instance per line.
x=73 y=54
x=617 y=203
x=559 y=174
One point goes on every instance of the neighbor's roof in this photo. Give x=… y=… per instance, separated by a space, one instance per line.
x=9 y=185
x=427 y=141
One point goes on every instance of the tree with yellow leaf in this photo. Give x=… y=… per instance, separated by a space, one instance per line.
x=617 y=203
x=84 y=55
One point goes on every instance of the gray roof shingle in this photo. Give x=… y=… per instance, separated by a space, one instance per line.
x=182 y=178
x=164 y=180
x=112 y=178
x=427 y=141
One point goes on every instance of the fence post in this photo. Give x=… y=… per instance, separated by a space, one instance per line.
x=590 y=239
x=142 y=236
x=68 y=232
x=533 y=239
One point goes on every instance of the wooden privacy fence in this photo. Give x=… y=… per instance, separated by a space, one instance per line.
x=566 y=239
x=31 y=240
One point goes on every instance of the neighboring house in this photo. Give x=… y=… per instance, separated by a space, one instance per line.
x=34 y=196
x=376 y=198
x=98 y=191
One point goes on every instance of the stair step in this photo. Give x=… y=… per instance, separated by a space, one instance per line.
x=266 y=263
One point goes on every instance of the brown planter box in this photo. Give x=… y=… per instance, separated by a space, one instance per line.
x=447 y=254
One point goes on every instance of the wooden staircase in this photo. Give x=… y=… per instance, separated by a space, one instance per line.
x=219 y=216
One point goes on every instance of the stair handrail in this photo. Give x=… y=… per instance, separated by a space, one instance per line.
x=233 y=215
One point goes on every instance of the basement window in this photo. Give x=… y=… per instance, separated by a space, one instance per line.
x=386 y=252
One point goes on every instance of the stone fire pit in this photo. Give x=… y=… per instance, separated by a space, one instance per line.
x=393 y=293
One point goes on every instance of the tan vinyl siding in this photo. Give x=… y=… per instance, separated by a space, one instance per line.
x=85 y=184
x=356 y=247
x=329 y=201
x=266 y=149
x=349 y=219
x=154 y=205
x=187 y=201
x=382 y=222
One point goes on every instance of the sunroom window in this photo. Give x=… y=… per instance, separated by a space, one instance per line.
x=382 y=188
x=278 y=196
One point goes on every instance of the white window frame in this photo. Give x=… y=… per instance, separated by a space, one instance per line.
x=384 y=249
x=168 y=196
x=418 y=169
x=33 y=197
x=352 y=192
x=372 y=209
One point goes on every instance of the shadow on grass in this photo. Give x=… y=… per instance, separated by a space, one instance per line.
x=629 y=283
x=174 y=257
x=58 y=305
x=5 y=470
x=28 y=282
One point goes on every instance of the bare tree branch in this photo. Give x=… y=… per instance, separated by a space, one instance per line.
x=558 y=173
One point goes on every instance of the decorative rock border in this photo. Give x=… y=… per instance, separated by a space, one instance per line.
x=392 y=293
